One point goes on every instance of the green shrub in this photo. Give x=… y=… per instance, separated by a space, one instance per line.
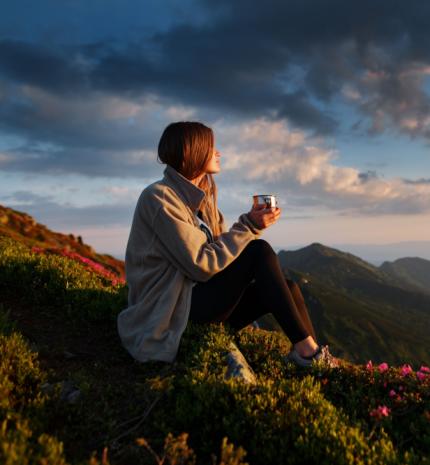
x=51 y=281
x=20 y=374
x=22 y=408
x=288 y=419
x=19 y=445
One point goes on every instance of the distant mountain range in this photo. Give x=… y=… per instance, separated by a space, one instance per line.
x=414 y=271
x=379 y=253
x=363 y=311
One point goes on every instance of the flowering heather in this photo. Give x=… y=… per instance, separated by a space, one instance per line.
x=96 y=267
x=383 y=367
x=90 y=264
x=380 y=412
x=406 y=370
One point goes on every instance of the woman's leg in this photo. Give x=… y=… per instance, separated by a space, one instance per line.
x=249 y=308
x=216 y=299
x=301 y=306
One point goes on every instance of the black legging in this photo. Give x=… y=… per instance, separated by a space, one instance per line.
x=251 y=286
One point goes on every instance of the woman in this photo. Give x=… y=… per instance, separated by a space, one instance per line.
x=182 y=263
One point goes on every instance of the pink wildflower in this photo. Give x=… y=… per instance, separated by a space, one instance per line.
x=421 y=376
x=383 y=367
x=37 y=249
x=406 y=370
x=369 y=365
x=392 y=393
x=381 y=411
x=99 y=269
x=425 y=369
x=401 y=388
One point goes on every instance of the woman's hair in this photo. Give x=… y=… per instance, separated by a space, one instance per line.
x=187 y=146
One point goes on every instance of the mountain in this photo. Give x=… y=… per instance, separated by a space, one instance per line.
x=359 y=309
x=412 y=270
x=25 y=229
x=376 y=254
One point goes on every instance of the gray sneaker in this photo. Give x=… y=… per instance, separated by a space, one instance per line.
x=321 y=357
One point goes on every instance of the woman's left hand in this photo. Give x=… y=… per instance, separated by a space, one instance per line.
x=264 y=217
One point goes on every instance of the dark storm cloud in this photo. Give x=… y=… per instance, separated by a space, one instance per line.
x=283 y=60
x=89 y=162
x=41 y=66
x=69 y=123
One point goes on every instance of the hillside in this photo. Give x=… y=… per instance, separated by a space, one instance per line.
x=413 y=270
x=70 y=394
x=25 y=229
x=356 y=305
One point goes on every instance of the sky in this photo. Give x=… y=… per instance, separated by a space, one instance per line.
x=324 y=104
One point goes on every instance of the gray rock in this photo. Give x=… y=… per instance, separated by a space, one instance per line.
x=238 y=367
x=70 y=392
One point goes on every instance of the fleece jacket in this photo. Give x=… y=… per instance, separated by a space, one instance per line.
x=167 y=254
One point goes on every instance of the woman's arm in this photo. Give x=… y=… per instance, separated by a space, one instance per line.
x=186 y=246
x=223 y=224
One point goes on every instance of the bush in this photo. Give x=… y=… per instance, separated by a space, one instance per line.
x=22 y=408
x=289 y=419
x=51 y=281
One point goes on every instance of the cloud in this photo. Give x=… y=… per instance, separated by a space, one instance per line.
x=45 y=209
x=417 y=181
x=271 y=157
x=272 y=60
x=100 y=135
x=290 y=66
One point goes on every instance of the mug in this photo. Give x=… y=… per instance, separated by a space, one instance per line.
x=265 y=199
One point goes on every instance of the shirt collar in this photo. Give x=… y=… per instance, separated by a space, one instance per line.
x=189 y=192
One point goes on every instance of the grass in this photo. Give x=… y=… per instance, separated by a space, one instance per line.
x=58 y=325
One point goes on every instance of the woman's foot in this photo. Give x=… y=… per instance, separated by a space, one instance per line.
x=321 y=356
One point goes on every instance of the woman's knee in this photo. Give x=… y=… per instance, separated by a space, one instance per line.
x=261 y=248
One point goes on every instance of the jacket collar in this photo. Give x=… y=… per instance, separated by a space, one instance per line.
x=189 y=192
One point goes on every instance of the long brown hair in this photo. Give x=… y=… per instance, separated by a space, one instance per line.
x=187 y=146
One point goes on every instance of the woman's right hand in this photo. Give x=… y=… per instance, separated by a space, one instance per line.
x=263 y=217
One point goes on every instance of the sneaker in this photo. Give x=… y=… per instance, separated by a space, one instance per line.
x=321 y=356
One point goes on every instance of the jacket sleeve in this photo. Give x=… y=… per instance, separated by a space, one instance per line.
x=223 y=223
x=186 y=247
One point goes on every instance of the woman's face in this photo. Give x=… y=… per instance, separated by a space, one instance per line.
x=213 y=165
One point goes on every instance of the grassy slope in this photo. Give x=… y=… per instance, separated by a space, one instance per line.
x=23 y=228
x=68 y=317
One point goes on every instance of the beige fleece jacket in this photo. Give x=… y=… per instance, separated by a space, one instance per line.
x=167 y=253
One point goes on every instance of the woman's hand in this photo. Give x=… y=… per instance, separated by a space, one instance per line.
x=263 y=217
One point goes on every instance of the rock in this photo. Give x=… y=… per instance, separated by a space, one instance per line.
x=238 y=367
x=47 y=388
x=69 y=355
x=69 y=392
